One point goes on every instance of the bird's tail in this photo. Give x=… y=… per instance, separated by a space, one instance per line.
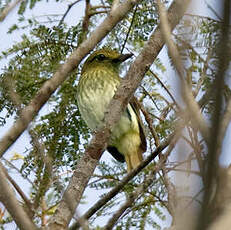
x=133 y=159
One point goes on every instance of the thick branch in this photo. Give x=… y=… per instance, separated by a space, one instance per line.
x=128 y=86
x=7 y=197
x=123 y=182
x=60 y=76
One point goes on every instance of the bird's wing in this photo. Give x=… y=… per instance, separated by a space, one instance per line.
x=116 y=154
x=113 y=150
x=136 y=108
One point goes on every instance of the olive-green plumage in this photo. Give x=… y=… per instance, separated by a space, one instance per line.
x=97 y=85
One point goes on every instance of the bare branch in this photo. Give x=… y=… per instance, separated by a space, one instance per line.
x=192 y=106
x=7 y=197
x=124 y=181
x=213 y=10
x=12 y=166
x=115 y=4
x=67 y=11
x=19 y=190
x=119 y=102
x=224 y=124
x=8 y=8
x=129 y=29
x=131 y=199
x=165 y=88
x=29 y=112
x=98 y=12
x=149 y=121
x=211 y=174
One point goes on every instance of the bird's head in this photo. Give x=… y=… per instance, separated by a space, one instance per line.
x=105 y=58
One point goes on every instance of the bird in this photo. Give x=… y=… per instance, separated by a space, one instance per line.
x=97 y=85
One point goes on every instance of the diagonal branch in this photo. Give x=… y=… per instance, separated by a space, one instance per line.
x=131 y=199
x=129 y=29
x=192 y=105
x=7 y=197
x=29 y=112
x=88 y=162
x=8 y=9
x=67 y=11
x=19 y=190
x=99 y=204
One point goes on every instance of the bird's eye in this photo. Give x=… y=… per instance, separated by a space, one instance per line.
x=101 y=57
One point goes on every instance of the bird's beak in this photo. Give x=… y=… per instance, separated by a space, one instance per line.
x=123 y=57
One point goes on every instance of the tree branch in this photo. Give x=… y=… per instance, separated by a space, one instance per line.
x=19 y=190
x=129 y=29
x=122 y=183
x=68 y=9
x=7 y=197
x=211 y=172
x=130 y=200
x=120 y=100
x=165 y=88
x=149 y=121
x=115 y=4
x=30 y=111
x=8 y=8
x=192 y=105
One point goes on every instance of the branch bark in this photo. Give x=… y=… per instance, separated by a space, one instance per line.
x=211 y=173
x=120 y=100
x=187 y=94
x=7 y=197
x=29 y=112
x=122 y=183
x=8 y=9
x=145 y=184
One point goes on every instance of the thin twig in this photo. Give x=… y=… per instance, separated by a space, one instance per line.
x=98 y=12
x=150 y=96
x=67 y=11
x=213 y=11
x=150 y=123
x=47 y=176
x=165 y=88
x=184 y=170
x=193 y=107
x=129 y=29
x=224 y=124
x=194 y=198
x=15 y=168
